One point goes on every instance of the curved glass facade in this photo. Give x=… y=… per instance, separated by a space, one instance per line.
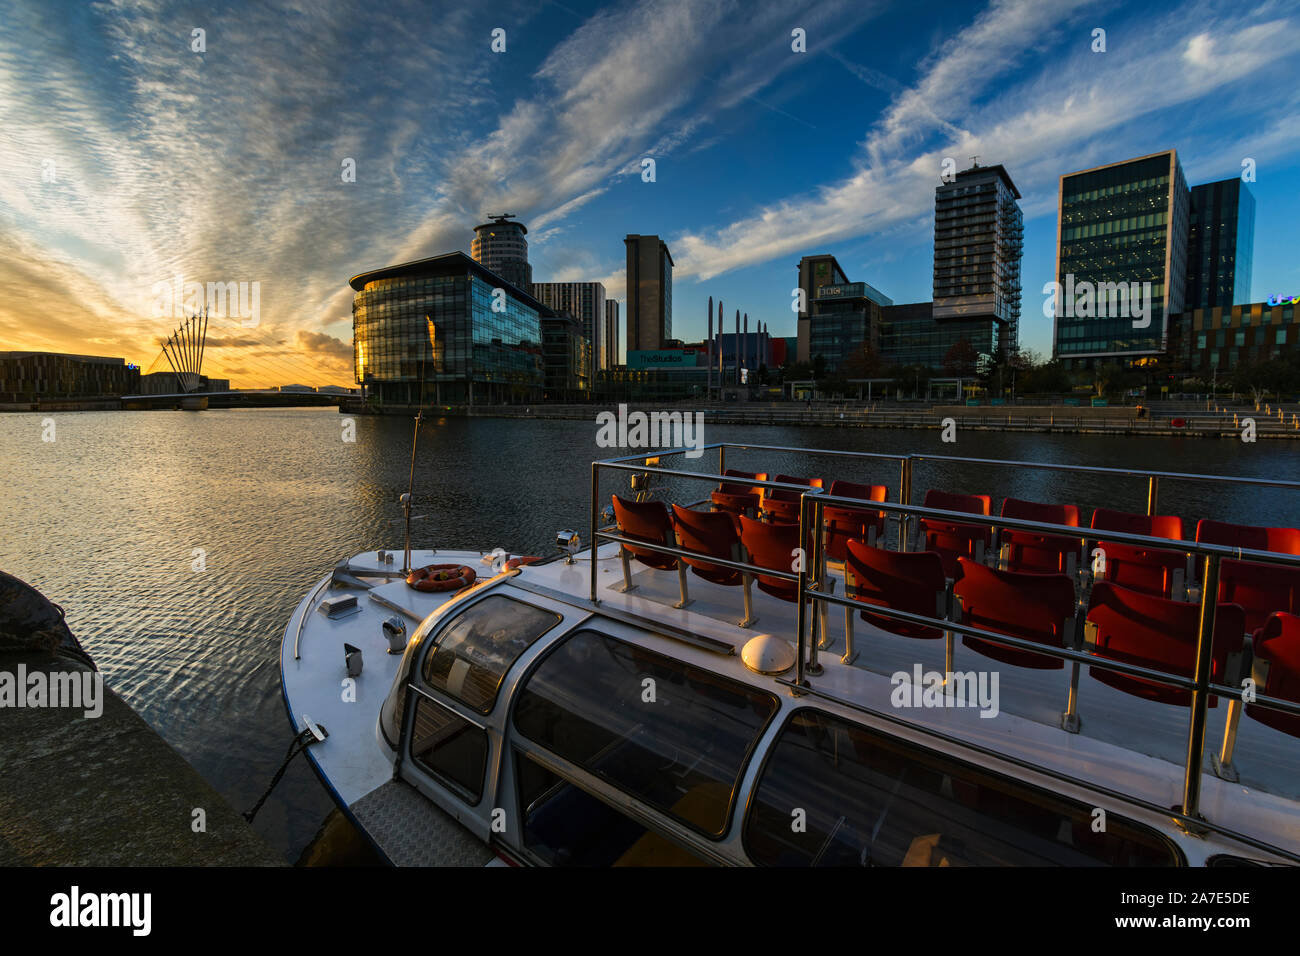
x=486 y=336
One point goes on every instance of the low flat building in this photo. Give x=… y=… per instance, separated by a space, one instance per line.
x=658 y=375
x=31 y=376
x=1226 y=337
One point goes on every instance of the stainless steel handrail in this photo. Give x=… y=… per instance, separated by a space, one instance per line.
x=812 y=507
x=1101 y=470
x=1200 y=686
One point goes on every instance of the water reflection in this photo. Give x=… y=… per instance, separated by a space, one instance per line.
x=111 y=519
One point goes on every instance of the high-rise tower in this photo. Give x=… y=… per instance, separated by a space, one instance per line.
x=499 y=245
x=978 y=240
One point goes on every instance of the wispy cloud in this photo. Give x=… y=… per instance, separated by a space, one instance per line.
x=1061 y=116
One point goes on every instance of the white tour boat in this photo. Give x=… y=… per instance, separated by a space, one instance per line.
x=944 y=683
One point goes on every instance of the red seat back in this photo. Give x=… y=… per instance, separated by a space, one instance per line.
x=1255 y=538
x=1037 y=511
x=1149 y=570
x=646 y=521
x=949 y=501
x=782 y=494
x=737 y=500
x=1027 y=551
x=783 y=505
x=1035 y=607
x=1261 y=589
x=1153 y=526
x=1042 y=554
x=1278 y=643
x=727 y=488
x=949 y=540
x=1152 y=632
x=905 y=582
x=843 y=524
x=772 y=546
x=708 y=533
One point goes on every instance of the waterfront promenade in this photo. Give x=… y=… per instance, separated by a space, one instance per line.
x=1163 y=419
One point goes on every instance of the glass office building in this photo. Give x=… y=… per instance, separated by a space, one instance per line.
x=585 y=301
x=1220 y=245
x=486 y=344
x=814 y=272
x=845 y=319
x=565 y=358
x=979 y=236
x=1120 y=226
x=910 y=335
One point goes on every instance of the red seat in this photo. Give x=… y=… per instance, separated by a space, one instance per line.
x=1277 y=657
x=952 y=541
x=1027 y=551
x=1151 y=571
x=1280 y=540
x=912 y=582
x=843 y=524
x=772 y=546
x=1152 y=632
x=1036 y=607
x=737 y=500
x=648 y=521
x=783 y=505
x=1261 y=589
x=1153 y=526
x=711 y=533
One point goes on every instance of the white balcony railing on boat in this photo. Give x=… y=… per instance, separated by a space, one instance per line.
x=902 y=513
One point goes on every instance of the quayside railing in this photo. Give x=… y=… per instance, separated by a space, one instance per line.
x=811 y=589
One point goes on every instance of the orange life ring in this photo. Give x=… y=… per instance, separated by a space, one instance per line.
x=516 y=562
x=441 y=577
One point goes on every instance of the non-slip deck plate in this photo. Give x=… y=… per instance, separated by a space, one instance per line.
x=413 y=832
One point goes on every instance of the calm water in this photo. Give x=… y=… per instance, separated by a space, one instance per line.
x=106 y=521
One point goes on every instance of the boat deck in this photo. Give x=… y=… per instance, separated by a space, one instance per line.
x=1138 y=747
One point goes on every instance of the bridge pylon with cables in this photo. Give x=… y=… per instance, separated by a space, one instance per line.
x=184 y=351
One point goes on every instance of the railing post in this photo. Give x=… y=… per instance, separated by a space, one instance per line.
x=722 y=459
x=799 y=674
x=904 y=498
x=805 y=526
x=591 y=542
x=1200 y=696
x=1153 y=491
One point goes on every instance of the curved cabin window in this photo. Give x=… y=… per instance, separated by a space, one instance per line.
x=836 y=794
x=564 y=825
x=673 y=736
x=449 y=747
x=471 y=655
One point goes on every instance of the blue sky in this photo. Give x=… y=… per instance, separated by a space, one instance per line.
x=224 y=165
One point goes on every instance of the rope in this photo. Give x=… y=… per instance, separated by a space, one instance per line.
x=302 y=741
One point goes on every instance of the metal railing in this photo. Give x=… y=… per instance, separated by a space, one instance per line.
x=808 y=579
